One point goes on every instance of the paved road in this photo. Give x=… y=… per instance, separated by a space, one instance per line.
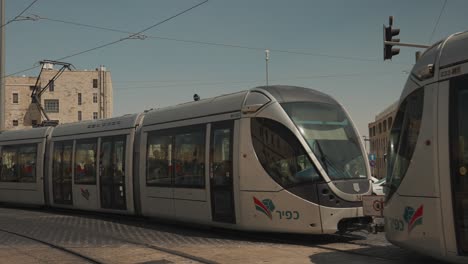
x=34 y=236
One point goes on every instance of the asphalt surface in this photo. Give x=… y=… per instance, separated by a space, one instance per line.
x=50 y=236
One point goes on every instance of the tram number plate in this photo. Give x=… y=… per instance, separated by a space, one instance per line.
x=373 y=205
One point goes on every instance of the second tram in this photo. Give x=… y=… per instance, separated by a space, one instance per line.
x=426 y=206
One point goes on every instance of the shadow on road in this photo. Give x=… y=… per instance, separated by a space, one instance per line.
x=371 y=254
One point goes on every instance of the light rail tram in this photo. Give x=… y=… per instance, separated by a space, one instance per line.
x=426 y=207
x=276 y=159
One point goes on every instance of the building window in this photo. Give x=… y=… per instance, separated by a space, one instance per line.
x=79 y=116
x=94 y=97
x=15 y=122
x=95 y=115
x=15 y=98
x=79 y=98
x=389 y=123
x=51 y=106
x=31 y=88
x=51 y=86
x=380 y=128
x=95 y=83
x=385 y=125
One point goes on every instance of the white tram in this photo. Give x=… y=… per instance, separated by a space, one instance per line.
x=276 y=158
x=426 y=206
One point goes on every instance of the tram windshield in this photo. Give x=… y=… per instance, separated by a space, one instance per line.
x=403 y=139
x=331 y=136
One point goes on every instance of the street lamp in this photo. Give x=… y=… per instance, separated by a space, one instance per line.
x=267 y=58
x=365 y=138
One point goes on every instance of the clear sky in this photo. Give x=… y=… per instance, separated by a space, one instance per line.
x=339 y=44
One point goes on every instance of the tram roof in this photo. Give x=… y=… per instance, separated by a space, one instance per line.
x=454 y=50
x=205 y=107
x=285 y=94
x=99 y=125
x=24 y=134
x=442 y=55
x=229 y=103
x=445 y=53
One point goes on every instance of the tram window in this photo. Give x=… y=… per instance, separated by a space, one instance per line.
x=159 y=160
x=286 y=162
x=9 y=164
x=85 y=161
x=256 y=98
x=18 y=163
x=62 y=171
x=189 y=159
x=403 y=138
x=27 y=163
x=176 y=157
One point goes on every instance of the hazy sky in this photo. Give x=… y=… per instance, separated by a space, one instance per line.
x=339 y=44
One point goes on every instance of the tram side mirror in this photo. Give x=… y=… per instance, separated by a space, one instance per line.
x=249 y=109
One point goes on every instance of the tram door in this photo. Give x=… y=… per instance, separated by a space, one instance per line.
x=112 y=172
x=221 y=176
x=62 y=173
x=459 y=157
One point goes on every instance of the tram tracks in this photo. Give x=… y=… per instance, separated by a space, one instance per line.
x=95 y=261
x=55 y=246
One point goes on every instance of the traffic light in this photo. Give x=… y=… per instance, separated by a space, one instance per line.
x=388 y=33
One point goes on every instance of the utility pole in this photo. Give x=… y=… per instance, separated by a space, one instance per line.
x=267 y=58
x=2 y=65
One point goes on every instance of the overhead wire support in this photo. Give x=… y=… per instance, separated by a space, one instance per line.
x=438 y=19
x=16 y=18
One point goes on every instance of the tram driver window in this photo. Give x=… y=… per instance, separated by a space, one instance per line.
x=281 y=154
x=85 y=161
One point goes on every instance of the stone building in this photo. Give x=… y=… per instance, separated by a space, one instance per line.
x=74 y=96
x=379 y=132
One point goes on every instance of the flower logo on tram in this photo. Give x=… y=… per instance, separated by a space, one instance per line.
x=413 y=217
x=266 y=206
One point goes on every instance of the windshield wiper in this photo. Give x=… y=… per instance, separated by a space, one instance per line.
x=322 y=156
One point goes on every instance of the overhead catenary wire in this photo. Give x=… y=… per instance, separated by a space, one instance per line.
x=118 y=40
x=203 y=83
x=210 y=43
x=20 y=14
x=438 y=19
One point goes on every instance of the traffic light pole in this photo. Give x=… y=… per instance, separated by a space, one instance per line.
x=392 y=43
x=2 y=66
